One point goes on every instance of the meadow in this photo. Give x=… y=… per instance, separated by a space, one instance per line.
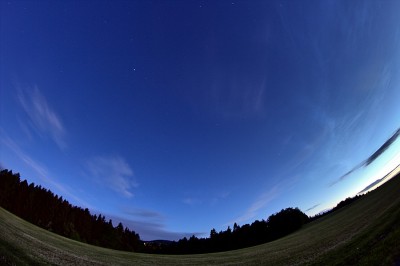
x=367 y=232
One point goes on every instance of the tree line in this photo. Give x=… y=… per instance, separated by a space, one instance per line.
x=339 y=206
x=41 y=207
x=277 y=225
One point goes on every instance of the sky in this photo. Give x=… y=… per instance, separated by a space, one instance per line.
x=176 y=117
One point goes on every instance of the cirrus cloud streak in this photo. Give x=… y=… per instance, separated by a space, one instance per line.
x=113 y=172
x=42 y=118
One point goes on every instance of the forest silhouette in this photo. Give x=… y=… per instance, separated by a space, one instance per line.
x=43 y=208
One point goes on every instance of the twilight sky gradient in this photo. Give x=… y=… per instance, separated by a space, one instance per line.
x=179 y=116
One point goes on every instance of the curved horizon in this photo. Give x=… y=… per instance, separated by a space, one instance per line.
x=181 y=116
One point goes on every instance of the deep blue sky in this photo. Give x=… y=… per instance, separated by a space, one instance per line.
x=179 y=116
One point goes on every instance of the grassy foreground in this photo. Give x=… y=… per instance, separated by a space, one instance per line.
x=366 y=232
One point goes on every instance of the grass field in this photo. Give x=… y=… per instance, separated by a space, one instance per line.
x=366 y=232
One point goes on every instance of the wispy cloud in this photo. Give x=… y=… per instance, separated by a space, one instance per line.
x=153 y=230
x=43 y=119
x=313 y=207
x=234 y=97
x=392 y=172
x=114 y=172
x=191 y=201
x=137 y=213
x=220 y=196
x=256 y=206
x=205 y=197
x=150 y=224
x=371 y=158
x=40 y=170
x=14 y=147
x=341 y=178
x=382 y=148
